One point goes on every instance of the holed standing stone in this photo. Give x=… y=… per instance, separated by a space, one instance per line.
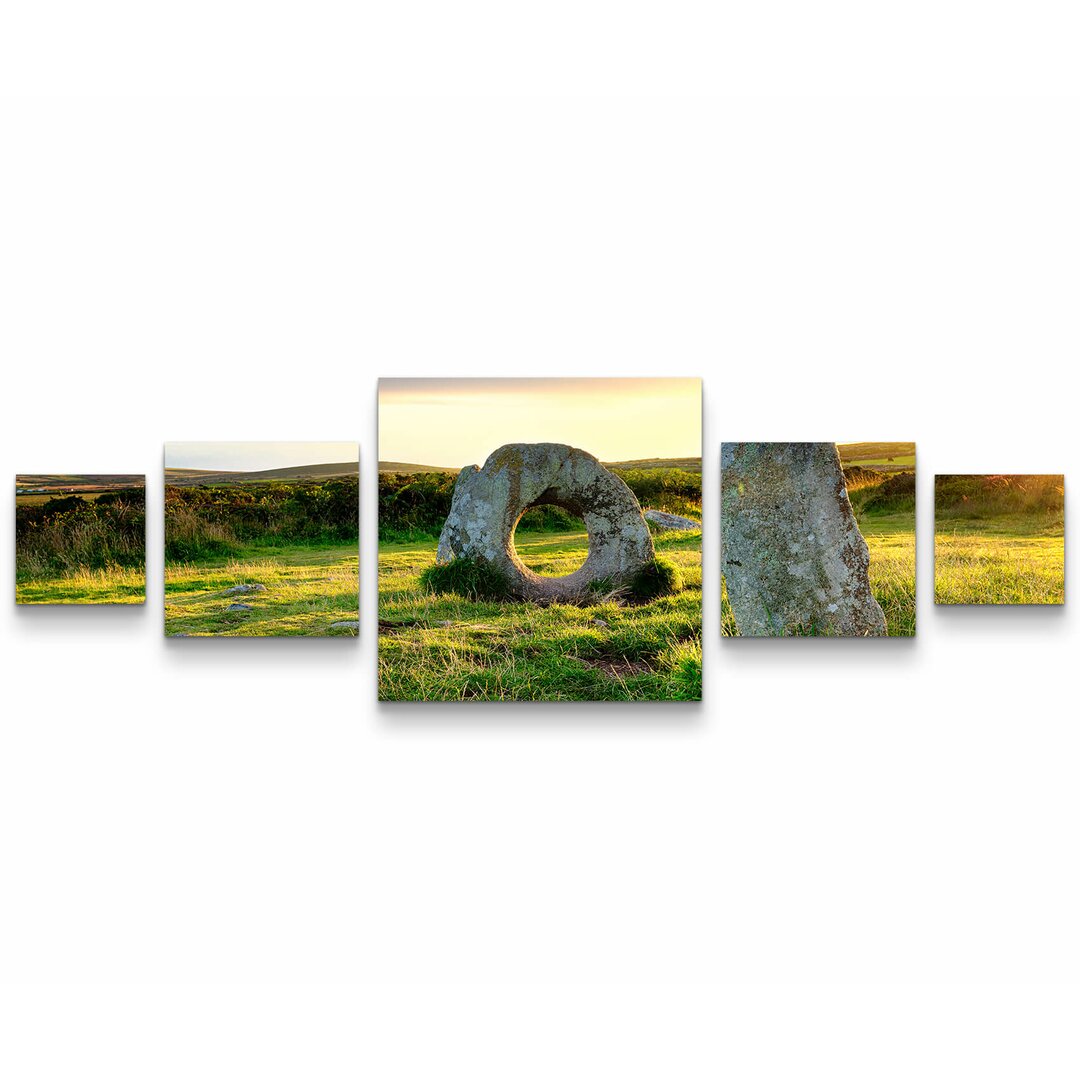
x=488 y=503
x=793 y=558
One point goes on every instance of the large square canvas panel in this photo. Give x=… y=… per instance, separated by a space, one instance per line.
x=261 y=539
x=540 y=539
x=818 y=539
x=999 y=539
x=80 y=538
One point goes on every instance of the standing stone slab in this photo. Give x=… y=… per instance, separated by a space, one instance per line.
x=488 y=503
x=793 y=558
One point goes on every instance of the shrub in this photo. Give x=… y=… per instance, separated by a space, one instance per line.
x=474 y=579
x=64 y=505
x=987 y=496
x=135 y=497
x=206 y=521
x=413 y=506
x=893 y=495
x=660 y=578
x=549 y=519
x=72 y=534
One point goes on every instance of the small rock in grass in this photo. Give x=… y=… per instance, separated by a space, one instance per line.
x=445 y=623
x=350 y=624
x=239 y=607
x=600 y=623
x=244 y=589
x=671 y=521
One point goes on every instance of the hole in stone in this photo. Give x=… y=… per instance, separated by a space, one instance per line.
x=551 y=541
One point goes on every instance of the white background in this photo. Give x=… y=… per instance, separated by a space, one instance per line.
x=223 y=858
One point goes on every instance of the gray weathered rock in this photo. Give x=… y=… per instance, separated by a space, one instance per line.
x=244 y=589
x=671 y=521
x=239 y=607
x=489 y=502
x=793 y=558
x=348 y=624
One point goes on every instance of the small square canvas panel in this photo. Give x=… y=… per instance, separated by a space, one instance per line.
x=999 y=539
x=80 y=538
x=540 y=539
x=817 y=539
x=261 y=539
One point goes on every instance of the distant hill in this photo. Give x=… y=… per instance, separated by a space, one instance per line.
x=181 y=477
x=406 y=467
x=689 y=464
x=76 y=483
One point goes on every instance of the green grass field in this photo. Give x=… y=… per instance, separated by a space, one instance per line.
x=891 y=540
x=80 y=539
x=40 y=500
x=308 y=587
x=999 y=539
x=904 y=461
x=446 y=648
x=869 y=453
x=1007 y=561
x=115 y=585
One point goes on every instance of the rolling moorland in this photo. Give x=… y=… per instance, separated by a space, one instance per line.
x=262 y=554
x=454 y=647
x=880 y=479
x=80 y=539
x=999 y=539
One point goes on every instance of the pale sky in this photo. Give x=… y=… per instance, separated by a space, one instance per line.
x=256 y=456
x=456 y=422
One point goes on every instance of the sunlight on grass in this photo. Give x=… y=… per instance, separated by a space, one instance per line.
x=999 y=539
x=111 y=586
x=307 y=588
x=984 y=569
x=890 y=540
x=440 y=648
x=552 y=554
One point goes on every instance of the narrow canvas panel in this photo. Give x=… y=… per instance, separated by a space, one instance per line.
x=261 y=539
x=540 y=539
x=999 y=539
x=818 y=539
x=80 y=538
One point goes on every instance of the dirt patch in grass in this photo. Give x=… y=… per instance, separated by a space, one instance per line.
x=620 y=669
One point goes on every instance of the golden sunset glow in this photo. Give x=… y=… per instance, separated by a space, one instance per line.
x=450 y=423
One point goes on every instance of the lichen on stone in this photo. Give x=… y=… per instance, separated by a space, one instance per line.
x=489 y=502
x=792 y=554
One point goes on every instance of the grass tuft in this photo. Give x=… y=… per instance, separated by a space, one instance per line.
x=682 y=661
x=472 y=579
x=660 y=578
